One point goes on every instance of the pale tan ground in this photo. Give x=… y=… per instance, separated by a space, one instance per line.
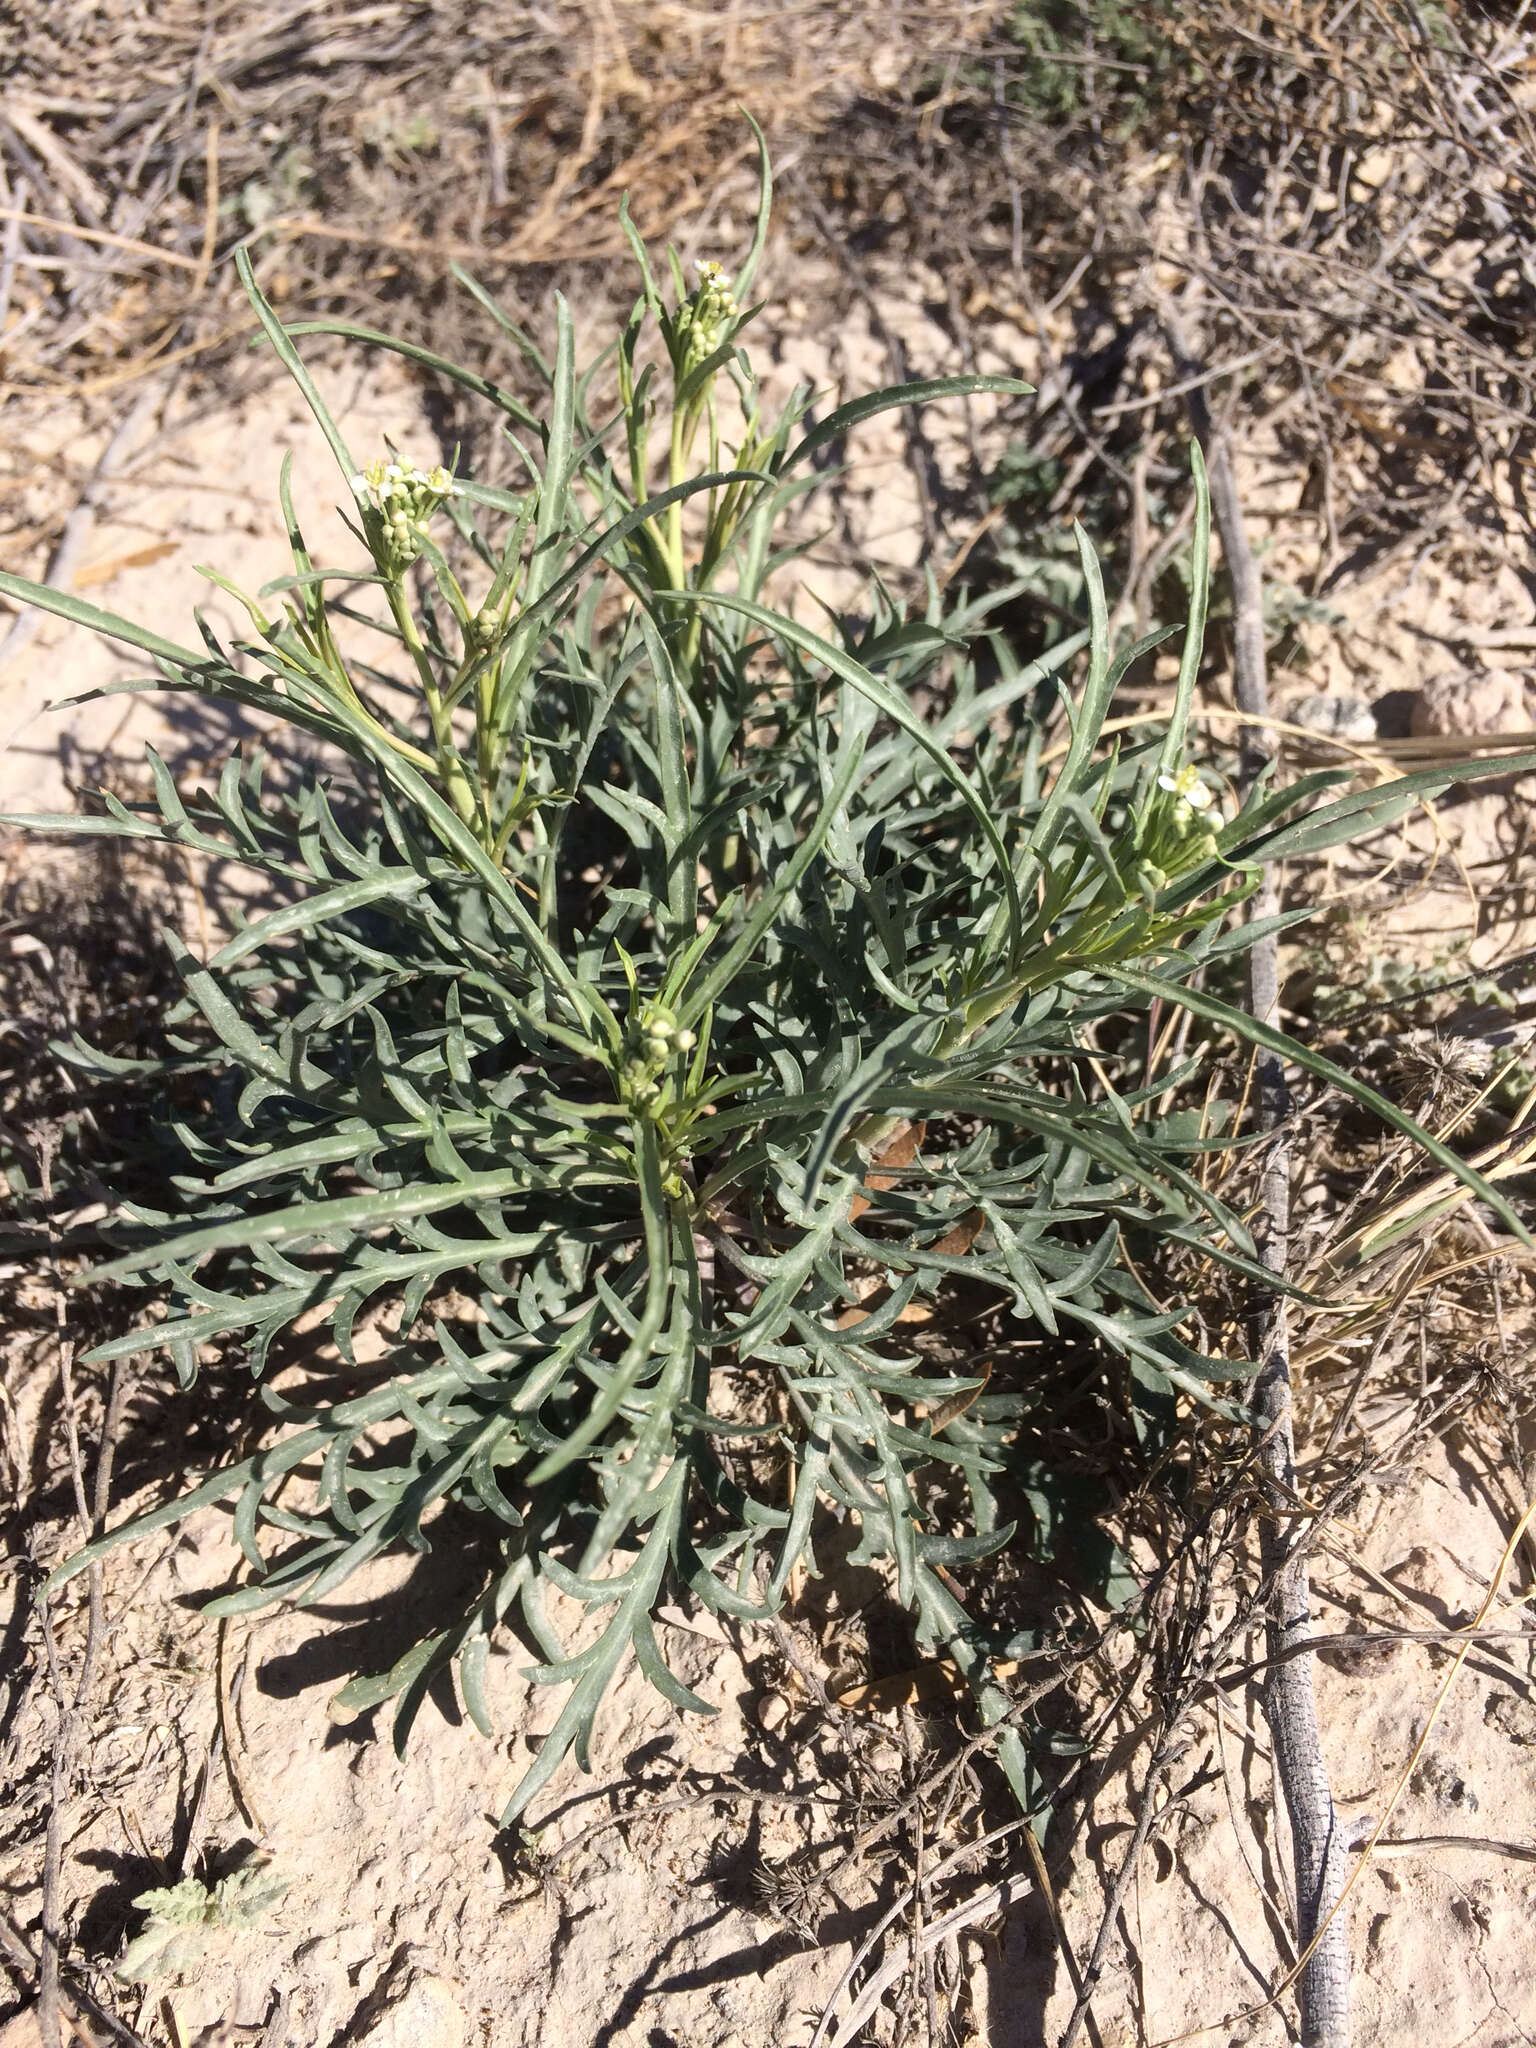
x=402 y=1926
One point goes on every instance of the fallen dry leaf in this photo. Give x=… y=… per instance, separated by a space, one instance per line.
x=136 y=558
x=900 y=1150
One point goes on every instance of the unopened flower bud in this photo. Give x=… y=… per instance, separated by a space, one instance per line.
x=396 y=502
x=702 y=318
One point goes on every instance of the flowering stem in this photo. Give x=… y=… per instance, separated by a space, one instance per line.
x=677 y=473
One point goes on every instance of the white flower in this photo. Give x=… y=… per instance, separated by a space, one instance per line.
x=702 y=316
x=1185 y=784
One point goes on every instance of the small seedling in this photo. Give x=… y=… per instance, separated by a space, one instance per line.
x=189 y=1921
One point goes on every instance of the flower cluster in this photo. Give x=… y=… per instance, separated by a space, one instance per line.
x=396 y=502
x=659 y=1037
x=701 y=318
x=1179 y=830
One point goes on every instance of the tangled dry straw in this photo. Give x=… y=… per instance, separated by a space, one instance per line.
x=367 y=147
x=1333 y=206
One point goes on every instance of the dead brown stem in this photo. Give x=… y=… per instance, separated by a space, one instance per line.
x=1290 y=1700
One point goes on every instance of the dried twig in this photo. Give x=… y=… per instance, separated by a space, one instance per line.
x=18 y=216
x=993 y=1898
x=9 y=249
x=718 y=1795
x=71 y=1722
x=1169 y=1748
x=996 y=1896
x=1290 y=1699
x=25 y=1960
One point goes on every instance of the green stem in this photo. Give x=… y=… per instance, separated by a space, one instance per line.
x=450 y=765
x=322 y=649
x=676 y=567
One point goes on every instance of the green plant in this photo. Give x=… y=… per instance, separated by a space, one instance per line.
x=188 y=1919
x=669 y=985
x=1099 y=58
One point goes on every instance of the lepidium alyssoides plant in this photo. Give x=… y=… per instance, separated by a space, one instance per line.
x=684 y=1014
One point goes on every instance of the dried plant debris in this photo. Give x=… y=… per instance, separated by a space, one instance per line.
x=1332 y=206
x=362 y=149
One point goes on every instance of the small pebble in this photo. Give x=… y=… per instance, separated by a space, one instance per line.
x=1339 y=718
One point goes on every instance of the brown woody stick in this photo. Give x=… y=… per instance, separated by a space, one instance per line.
x=1290 y=1702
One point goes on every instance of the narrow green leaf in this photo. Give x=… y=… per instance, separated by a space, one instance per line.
x=1366 y=810
x=1087 y=719
x=293 y=363
x=343 y=1216
x=426 y=359
x=65 y=605
x=742 y=284
x=553 y=513
x=1194 y=631
x=921 y=392
x=892 y=705
x=397 y=885
x=692 y=1006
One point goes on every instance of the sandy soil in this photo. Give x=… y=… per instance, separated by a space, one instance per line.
x=406 y=1921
